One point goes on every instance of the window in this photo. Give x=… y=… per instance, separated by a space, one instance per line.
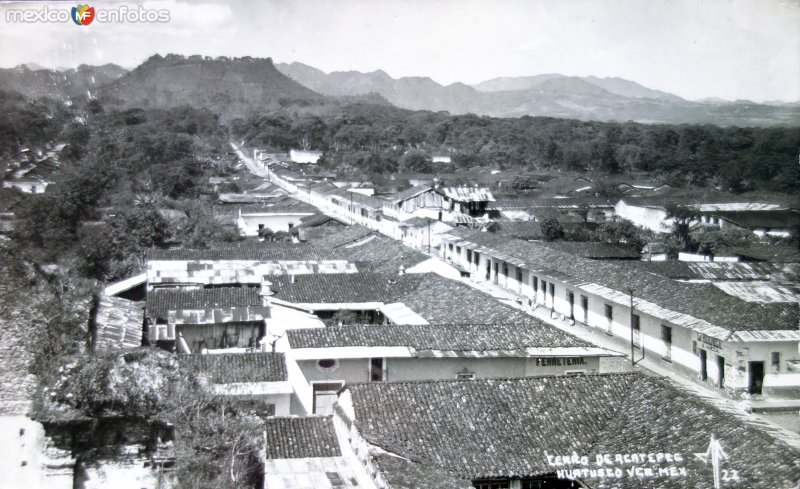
x=505 y=269
x=477 y=257
x=465 y=375
x=775 y=359
x=666 y=338
x=609 y=313
x=491 y=484
x=585 y=307
x=377 y=370
x=519 y=275
x=571 y=303
x=535 y=285
x=469 y=256
x=327 y=364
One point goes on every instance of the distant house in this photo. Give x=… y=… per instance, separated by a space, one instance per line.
x=633 y=186
x=422 y=233
x=440 y=159
x=245 y=263
x=763 y=219
x=261 y=377
x=449 y=204
x=191 y=321
x=253 y=218
x=304 y=156
x=27 y=185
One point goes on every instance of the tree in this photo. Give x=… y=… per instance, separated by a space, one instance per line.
x=552 y=229
x=415 y=161
x=620 y=231
x=683 y=222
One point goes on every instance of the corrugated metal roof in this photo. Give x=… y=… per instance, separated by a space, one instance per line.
x=467 y=194
x=766 y=292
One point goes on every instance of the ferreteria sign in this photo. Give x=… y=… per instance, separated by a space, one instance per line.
x=559 y=361
x=709 y=343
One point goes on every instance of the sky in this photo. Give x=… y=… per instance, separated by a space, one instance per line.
x=729 y=49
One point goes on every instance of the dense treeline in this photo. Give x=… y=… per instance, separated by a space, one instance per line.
x=122 y=175
x=27 y=123
x=372 y=139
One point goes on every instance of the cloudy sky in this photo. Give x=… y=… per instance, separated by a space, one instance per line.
x=731 y=49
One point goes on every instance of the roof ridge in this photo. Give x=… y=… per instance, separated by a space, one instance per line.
x=486 y=379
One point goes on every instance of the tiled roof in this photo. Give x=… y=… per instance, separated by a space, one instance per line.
x=118 y=323
x=341 y=237
x=467 y=194
x=345 y=194
x=408 y=193
x=761 y=219
x=304 y=437
x=317 y=219
x=589 y=249
x=380 y=254
x=401 y=473
x=273 y=206
x=767 y=252
x=444 y=337
x=521 y=229
x=161 y=301
x=441 y=300
x=418 y=222
x=228 y=368
x=264 y=252
x=488 y=428
x=685 y=270
x=689 y=298
x=343 y=287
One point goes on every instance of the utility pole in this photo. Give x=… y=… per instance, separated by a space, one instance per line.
x=633 y=362
x=429 y=236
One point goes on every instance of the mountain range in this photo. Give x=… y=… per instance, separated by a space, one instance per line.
x=237 y=87
x=553 y=95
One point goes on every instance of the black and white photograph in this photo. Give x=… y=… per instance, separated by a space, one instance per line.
x=400 y=244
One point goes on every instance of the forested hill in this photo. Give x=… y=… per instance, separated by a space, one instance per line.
x=230 y=87
x=78 y=83
x=372 y=139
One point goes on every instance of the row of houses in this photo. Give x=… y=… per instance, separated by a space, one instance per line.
x=738 y=343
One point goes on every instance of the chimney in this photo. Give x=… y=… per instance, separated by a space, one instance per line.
x=265 y=292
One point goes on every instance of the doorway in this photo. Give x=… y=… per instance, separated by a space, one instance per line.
x=571 y=303
x=703 y=365
x=755 y=382
x=325 y=396
x=377 y=370
x=721 y=371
